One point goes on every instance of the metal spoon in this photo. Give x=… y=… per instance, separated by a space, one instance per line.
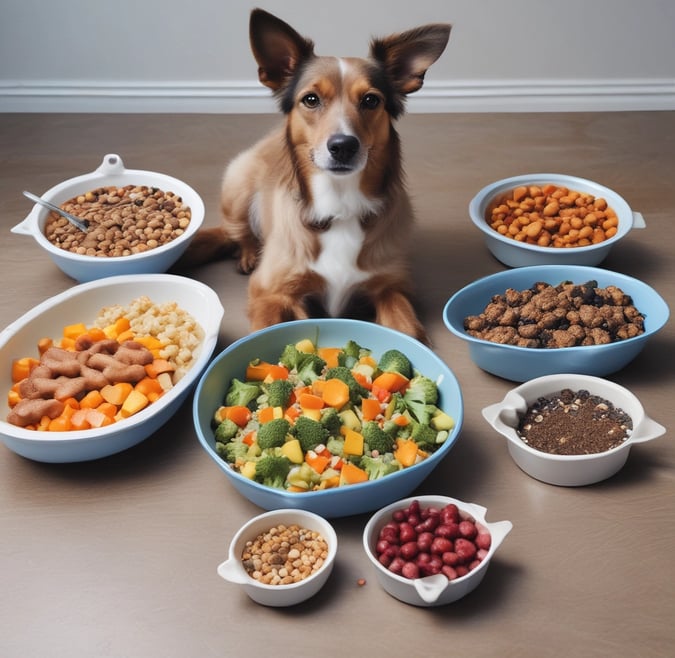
x=82 y=224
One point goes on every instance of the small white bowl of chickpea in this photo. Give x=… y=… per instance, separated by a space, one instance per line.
x=281 y=557
x=551 y=219
x=139 y=222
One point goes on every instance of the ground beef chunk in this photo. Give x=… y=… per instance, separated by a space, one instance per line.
x=566 y=315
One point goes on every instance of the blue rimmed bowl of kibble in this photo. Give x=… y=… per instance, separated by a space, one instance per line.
x=281 y=557
x=541 y=320
x=139 y=222
x=571 y=430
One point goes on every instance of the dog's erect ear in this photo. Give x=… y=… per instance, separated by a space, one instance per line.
x=407 y=56
x=277 y=48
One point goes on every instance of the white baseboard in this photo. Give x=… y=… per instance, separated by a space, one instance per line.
x=250 y=97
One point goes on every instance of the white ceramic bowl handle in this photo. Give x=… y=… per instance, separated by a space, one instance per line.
x=111 y=164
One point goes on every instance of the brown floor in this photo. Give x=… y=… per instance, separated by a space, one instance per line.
x=118 y=557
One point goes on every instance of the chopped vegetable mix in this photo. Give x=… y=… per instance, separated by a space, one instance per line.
x=324 y=417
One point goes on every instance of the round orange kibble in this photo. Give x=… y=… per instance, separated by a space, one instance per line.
x=554 y=216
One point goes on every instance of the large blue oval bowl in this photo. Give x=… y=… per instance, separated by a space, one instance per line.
x=522 y=363
x=267 y=344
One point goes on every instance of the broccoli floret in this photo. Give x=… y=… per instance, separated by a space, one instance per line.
x=376 y=438
x=331 y=420
x=421 y=397
x=311 y=368
x=356 y=391
x=307 y=365
x=396 y=361
x=272 y=434
x=278 y=392
x=378 y=467
x=336 y=446
x=309 y=432
x=232 y=451
x=425 y=436
x=241 y=393
x=272 y=470
x=351 y=353
x=226 y=430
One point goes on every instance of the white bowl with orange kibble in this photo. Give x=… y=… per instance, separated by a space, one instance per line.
x=551 y=219
x=102 y=366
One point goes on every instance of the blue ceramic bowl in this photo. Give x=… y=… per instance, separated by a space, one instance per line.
x=522 y=363
x=267 y=344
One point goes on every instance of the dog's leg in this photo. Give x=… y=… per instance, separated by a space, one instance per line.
x=393 y=307
x=282 y=301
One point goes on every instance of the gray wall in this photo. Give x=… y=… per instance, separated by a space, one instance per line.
x=153 y=55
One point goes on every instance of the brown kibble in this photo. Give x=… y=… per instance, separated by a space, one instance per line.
x=130 y=210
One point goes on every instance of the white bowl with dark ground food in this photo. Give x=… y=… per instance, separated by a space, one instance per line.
x=571 y=430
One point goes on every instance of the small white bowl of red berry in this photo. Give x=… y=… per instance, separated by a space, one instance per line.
x=570 y=429
x=431 y=550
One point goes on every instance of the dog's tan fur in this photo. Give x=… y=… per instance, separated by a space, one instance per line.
x=308 y=220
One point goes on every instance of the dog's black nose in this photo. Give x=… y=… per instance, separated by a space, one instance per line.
x=343 y=147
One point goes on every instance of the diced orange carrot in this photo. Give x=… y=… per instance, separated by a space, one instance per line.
x=295 y=489
x=335 y=393
x=96 y=334
x=96 y=418
x=401 y=420
x=291 y=414
x=317 y=386
x=91 y=400
x=330 y=355
x=362 y=379
x=382 y=394
x=125 y=335
x=318 y=462
x=276 y=372
x=116 y=393
x=13 y=397
x=149 y=385
x=108 y=409
x=44 y=344
x=370 y=408
x=79 y=420
x=405 y=452
x=150 y=342
x=71 y=402
x=249 y=439
x=61 y=423
x=133 y=403
x=74 y=331
x=22 y=367
x=158 y=366
x=310 y=401
x=352 y=474
x=256 y=372
x=237 y=414
x=67 y=343
x=368 y=360
x=266 y=414
x=391 y=381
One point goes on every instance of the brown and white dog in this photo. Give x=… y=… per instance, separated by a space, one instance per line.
x=317 y=210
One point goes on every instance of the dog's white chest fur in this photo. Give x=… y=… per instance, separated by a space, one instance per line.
x=341 y=201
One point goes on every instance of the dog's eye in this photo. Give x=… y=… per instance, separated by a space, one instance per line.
x=310 y=100
x=370 y=101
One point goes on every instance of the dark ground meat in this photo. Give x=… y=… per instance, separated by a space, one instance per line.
x=566 y=315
